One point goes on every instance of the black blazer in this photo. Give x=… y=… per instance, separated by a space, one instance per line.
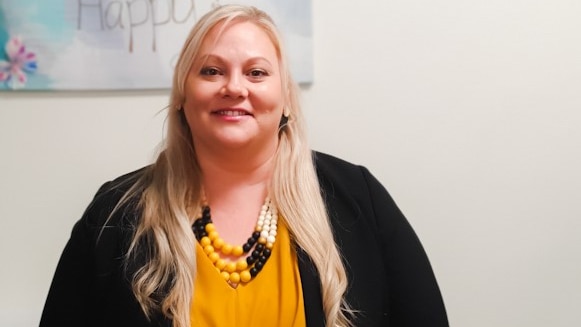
x=391 y=282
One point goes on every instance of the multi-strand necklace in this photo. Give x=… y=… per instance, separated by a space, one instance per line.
x=251 y=256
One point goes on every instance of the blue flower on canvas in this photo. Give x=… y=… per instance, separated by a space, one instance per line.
x=20 y=63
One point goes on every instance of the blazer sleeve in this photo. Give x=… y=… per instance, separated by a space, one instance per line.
x=69 y=299
x=414 y=296
x=85 y=268
x=92 y=283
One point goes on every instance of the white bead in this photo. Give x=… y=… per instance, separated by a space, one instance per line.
x=267 y=220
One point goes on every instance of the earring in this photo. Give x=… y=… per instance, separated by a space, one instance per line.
x=283 y=121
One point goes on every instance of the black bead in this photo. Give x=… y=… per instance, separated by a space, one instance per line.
x=262 y=259
x=254 y=272
x=250 y=260
x=259 y=265
x=260 y=247
x=267 y=252
x=256 y=235
x=246 y=247
x=256 y=253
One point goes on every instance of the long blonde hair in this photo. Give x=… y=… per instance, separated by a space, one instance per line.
x=172 y=190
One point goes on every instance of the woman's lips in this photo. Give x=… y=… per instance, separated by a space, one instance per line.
x=231 y=112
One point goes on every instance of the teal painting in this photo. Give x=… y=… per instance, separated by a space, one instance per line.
x=120 y=44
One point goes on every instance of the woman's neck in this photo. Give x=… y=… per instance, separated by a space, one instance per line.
x=236 y=186
x=234 y=169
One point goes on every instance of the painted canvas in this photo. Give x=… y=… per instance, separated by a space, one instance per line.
x=120 y=44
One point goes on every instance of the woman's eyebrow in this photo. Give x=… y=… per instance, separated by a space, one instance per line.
x=214 y=57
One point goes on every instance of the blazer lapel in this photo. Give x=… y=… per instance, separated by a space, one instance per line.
x=311 y=285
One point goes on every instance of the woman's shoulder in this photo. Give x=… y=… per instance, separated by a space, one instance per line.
x=114 y=200
x=343 y=179
x=327 y=161
x=339 y=171
x=349 y=183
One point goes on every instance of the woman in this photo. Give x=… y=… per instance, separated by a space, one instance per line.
x=238 y=223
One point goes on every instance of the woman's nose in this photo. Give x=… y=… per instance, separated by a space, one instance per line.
x=235 y=87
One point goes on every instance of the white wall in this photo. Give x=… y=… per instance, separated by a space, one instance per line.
x=468 y=112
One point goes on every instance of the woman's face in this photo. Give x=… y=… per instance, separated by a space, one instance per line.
x=233 y=95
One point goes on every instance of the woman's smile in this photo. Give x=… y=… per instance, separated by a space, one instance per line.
x=232 y=112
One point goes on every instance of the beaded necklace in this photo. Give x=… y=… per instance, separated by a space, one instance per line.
x=252 y=255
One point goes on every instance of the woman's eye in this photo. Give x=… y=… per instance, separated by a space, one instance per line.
x=210 y=71
x=258 y=73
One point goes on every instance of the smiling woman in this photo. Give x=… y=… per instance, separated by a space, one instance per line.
x=234 y=92
x=238 y=222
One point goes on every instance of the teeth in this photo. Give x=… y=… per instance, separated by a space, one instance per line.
x=231 y=113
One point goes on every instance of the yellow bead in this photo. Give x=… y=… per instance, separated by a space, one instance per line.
x=213 y=235
x=237 y=250
x=208 y=249
x=218 y=243
x=220 y=264
x=226 y=248
x=230 y=267
x=262 y=240
x=241 y=264
x=234 y=278
x=213 y=257
x=269 y=245
x=225 y=275
x=245 y=276
x=210 y=227
x=205 y=241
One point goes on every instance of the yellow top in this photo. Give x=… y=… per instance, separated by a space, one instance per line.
x=273 y=298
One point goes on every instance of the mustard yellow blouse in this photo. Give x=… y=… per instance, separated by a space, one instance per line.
x=273 y=298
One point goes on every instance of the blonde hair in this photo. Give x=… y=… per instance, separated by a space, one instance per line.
x=172 y=190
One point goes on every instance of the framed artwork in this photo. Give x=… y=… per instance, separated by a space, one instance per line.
x=120 y=44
